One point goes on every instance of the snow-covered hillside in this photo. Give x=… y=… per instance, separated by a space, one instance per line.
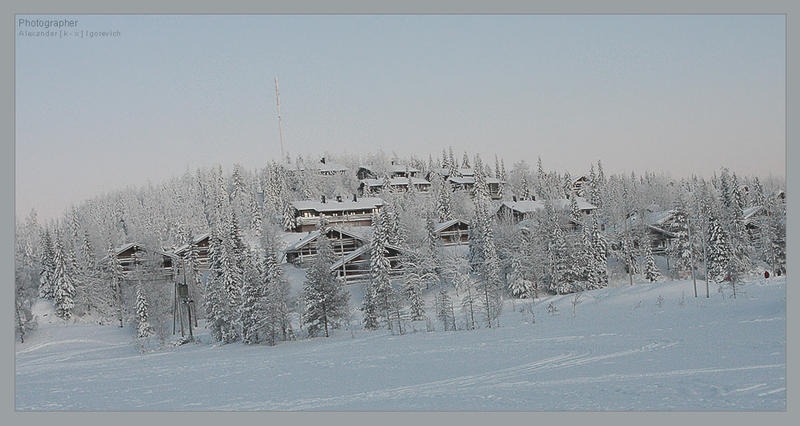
x=621 y=351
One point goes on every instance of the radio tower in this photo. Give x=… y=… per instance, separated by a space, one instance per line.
x=280 y=124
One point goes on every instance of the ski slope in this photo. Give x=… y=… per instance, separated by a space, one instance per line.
x=621 y=351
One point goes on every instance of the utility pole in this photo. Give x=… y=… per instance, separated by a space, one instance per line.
x=280 y=123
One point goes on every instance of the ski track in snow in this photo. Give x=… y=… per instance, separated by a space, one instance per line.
x=716 y=354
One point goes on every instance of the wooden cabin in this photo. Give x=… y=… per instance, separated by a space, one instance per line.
x=467 y=183
x=140 y=263
x=398 y=184
x=343 y=242
x=202 y=245
x=453 y=232
x=353 y=212
x=578 y=184
x=355 y=266
x=394 y=170
x=517 y=211
x=659 y=225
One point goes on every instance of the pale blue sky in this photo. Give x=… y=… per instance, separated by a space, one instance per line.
x=680 y=94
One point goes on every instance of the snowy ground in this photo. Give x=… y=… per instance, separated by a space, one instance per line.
x=620 y=352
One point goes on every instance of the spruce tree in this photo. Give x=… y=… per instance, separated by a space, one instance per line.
x=324 y=296
x=63 y=286
x=143 y=329
x=651 y=272
x=380 y=268
x=219 y=312
x=718 y=252
x=48 y=267
x=444 y=206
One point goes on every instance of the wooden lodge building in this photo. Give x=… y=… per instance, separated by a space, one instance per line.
x=517 y=211
x=371 y=186
x=453 y=232
x=137 y=262
x=465 y=181
x=202 y=245
x=355 y=266
x=343 y=241
x=394 y=170
x=353 y=212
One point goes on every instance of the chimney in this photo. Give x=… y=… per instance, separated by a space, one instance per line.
x=322 y=160
x=355 y=198
x=339 y=198
x=514 y=197
x=323 y=199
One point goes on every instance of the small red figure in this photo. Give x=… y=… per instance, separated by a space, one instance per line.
x=766 y=274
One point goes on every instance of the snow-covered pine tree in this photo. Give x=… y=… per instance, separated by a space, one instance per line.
x=379 y=269
x=369 y=307
x=518 y=285
x=540 y=179
x=324 y=296
x=651 y=272
x=574 y=213
x=465 y=161
x=525 y=189
x=220 y=319
x=490 y=285
x=277 y=293
x=289 y=220
x=143 y=327
x=444 y=310
x=600 y=253
x=253 y=313
x=718 y=252
x=444 y=206
x=681 y=248
x=63 y=286
x=453 y=166
x=413 y=284
x=48 y=267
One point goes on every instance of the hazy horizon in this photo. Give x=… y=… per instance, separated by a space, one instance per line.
x=677 y=94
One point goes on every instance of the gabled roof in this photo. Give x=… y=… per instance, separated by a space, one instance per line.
x=401 y=168
x=363 y=203
x=530 y=206
x=315 y=234
x=127 y=246
x=439 y=227
x=443 y=171
x=749 y=212
x=361 y=250
x=395 y=181
x=180 y=250
x=470 y=180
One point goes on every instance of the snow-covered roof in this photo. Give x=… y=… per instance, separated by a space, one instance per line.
x=395 y=181
x=358 y=252
x=127 y=246
x=530 y=206
x=443 y=171
x=313 y=235
x=401 y=168
x=750 y=211
x=470 y=180
x=439 y=227
x=332 y=205
x=196 y=240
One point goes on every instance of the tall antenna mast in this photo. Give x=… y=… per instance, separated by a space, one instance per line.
x=280 y=123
